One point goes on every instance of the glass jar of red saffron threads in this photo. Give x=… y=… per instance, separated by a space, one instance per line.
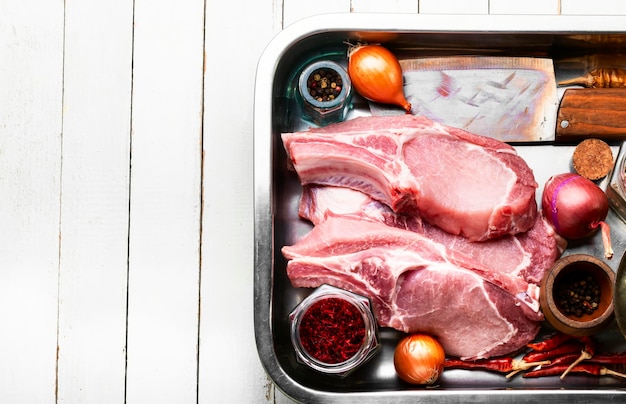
x=334 y=331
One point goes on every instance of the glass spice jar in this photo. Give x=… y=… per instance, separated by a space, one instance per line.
x=325 y=91
x=333 y=331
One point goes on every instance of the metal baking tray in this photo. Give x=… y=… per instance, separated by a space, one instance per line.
x=574 y=44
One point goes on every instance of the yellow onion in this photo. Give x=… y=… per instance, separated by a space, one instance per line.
x=376 y=75
x=419 y=359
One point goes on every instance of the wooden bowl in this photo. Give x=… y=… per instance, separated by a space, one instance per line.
x=578 y=264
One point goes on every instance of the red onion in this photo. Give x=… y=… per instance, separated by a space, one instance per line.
x=576 y=207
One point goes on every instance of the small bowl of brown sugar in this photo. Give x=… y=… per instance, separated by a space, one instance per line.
x=576 y=295
x=592 y=159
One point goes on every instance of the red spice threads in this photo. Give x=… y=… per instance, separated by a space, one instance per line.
x=333 y=331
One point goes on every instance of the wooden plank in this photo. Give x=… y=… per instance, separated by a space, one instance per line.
x=294 y=10
x=525 y=7
x=164 y=241
x=31 y=74
x=94 y=214
x=388 y=6
x=454 y=6
x=230 y=370
x=596 y=7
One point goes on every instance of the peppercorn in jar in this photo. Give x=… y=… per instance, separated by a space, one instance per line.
x=324 y=84
x=325 y=92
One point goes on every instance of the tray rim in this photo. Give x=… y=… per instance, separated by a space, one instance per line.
x=262 y=176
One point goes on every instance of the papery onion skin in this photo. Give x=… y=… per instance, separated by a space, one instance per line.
x=573 y=205
x=576 y=207
x=376 y=74
x=419 y=359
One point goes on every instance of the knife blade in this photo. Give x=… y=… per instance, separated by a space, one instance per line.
x=512 y=99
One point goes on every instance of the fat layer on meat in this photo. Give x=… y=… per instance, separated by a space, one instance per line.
x=465 y=184
x=528 y=255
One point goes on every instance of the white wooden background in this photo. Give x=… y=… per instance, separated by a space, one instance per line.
x=126 y=250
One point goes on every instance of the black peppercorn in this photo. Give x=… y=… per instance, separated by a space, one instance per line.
x=577 y=294
x=324 y=84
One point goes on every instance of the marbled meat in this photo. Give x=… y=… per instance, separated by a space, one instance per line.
x=529 y=254
x=419 y=285
x=466 y=184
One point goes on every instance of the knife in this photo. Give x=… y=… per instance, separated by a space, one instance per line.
x=512 y=99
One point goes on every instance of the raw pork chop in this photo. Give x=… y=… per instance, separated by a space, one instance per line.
x=418 y=285
x=529 y=254
x=466 y=184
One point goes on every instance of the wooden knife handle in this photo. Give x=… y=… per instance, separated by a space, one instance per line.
x=592 y=112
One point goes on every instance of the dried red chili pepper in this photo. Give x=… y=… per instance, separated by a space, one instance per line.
x=589 y=368
x=564 y=360
x=332 y=330
x=566 y=348
x=499 y=364
x=550 y=342
x=613 y=358
x=590 y=345
x=586 y=353
x=547 y=371
x=558 y=355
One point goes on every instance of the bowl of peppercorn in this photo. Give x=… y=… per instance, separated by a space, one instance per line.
x=576 y=295
x=325 y=91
